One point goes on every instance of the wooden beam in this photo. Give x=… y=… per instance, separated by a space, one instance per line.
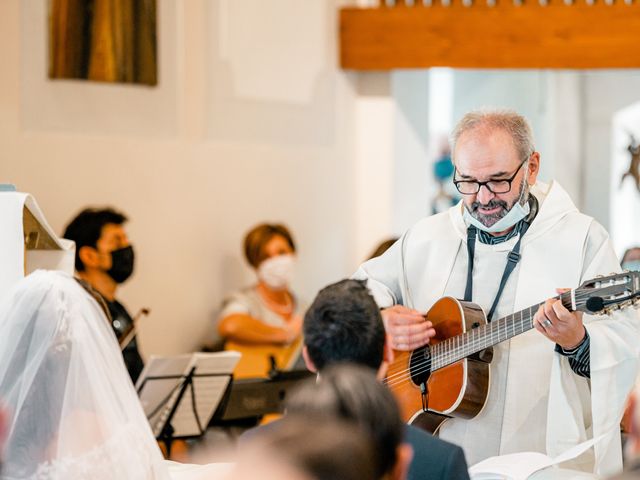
x=503 y=36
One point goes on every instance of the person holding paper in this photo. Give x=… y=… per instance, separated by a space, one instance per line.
x=509 y=244
x=105 y=260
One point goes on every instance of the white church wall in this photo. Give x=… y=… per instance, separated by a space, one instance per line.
x=624 y=196
x=196 y=161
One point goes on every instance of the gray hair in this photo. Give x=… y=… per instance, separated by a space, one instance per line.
x=508 y=120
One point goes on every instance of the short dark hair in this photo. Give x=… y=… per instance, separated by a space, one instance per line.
x=86 y=228
x=343 y=324
x=352 y=393
x=259 y=236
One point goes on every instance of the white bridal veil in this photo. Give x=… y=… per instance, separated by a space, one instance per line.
x=74 y=413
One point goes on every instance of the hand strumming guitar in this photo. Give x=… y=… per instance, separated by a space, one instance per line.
x=407 y=328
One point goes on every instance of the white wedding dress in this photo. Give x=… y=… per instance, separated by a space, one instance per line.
x=74 y=413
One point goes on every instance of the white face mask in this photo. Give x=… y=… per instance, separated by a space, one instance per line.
x=277 y=272
x=513 y=216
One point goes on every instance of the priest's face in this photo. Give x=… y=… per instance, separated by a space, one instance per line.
x=483 y=155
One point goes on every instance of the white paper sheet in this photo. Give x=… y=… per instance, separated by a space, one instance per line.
x=208 y=389
x=519 y=466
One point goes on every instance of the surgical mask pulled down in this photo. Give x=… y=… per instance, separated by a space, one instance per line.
x=519 y=210
x=277 y=272
x=513 y=216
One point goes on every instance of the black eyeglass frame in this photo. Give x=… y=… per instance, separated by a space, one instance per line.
x=486 y=184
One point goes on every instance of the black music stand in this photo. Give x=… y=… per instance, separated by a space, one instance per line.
x=180 y=394
x=248 y=399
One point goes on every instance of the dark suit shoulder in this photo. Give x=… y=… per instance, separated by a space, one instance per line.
x=434 y=458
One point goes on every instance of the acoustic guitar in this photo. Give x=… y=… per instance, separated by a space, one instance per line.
x=449 y=377
x=260 y=360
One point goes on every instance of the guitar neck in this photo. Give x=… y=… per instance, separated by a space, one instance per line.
x=477 y=339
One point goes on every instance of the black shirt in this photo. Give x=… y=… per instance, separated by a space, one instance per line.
x=121 y=322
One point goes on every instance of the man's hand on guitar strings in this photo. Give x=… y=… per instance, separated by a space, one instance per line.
x=408 y=329
x=558 y=324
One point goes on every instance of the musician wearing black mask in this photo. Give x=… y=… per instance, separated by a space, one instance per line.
x=105 y=259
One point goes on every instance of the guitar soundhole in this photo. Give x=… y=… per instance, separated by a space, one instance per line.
x=420 y=365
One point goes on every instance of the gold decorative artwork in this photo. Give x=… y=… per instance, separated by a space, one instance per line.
x=103 y=40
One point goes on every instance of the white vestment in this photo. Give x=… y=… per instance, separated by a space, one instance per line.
x=536 y=401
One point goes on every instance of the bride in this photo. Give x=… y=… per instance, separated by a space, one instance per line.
x=73 y=412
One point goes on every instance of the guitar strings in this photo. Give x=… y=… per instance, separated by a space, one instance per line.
x=494 y=323
x=456 y=352
x=449 y=354
x=466 y=349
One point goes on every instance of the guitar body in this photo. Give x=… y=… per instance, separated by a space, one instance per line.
x=256 y=359
x=456 y=390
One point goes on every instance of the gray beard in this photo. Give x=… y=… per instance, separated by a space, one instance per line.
x=489 y=220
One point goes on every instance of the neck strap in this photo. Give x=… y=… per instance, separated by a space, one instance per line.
x=512 y=260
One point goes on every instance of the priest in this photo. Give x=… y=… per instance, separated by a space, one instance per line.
x=511 y=243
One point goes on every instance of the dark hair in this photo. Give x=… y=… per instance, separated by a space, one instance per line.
x=344 y=324
x=353 y=394
x=259 y=236
x=86 y=228
x=383 y=247
x=336 y=451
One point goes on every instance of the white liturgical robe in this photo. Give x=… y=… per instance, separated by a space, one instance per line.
x=536 y=402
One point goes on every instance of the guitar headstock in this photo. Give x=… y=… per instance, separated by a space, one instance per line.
x=607 y=293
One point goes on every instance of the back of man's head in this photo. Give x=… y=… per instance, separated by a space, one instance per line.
x=351 y=393
x=86 y=228
x=343 y=324
x=308 y=448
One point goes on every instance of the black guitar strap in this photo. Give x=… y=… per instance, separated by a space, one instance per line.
x=512 y=260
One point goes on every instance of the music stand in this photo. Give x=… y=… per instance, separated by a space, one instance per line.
x=180 y=394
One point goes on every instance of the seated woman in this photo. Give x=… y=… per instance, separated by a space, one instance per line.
x=264 y=321
x=73 y=411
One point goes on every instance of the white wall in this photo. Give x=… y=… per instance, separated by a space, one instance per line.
x=238 y=131
x=625 y=196
x=571 y=113
x=604 y=94
x=248 y=125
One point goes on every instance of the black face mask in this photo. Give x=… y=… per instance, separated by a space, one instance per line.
x=121 y=264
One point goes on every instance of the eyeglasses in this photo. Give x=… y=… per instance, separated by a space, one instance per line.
x=470 y=187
